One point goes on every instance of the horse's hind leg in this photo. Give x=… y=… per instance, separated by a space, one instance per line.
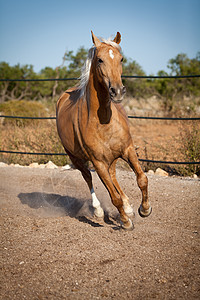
x=127 y=207
x=142 y=181
x=98 y=211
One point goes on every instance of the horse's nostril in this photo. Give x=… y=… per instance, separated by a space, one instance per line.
x=117 y=92
x=123 y=90
x=112 y=91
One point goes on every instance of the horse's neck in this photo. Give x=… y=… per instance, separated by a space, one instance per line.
x=98 y=101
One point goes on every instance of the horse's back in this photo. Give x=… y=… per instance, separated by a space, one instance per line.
x=67 y=99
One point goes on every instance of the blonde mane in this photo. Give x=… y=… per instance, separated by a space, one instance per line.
x=85 y=72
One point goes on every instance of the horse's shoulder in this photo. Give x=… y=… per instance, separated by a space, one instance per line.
x=70 y=96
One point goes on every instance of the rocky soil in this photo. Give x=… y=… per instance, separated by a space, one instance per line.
x=53 y=248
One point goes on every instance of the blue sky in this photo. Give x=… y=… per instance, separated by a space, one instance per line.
x=153 y=31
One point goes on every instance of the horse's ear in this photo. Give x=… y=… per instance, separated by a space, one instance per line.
x=117 y=39
x=95 y=40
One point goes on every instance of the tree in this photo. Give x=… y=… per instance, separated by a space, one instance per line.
x=15 y=90
x=77 y=61
x=71 y=66
x=173 y=90
x=182 y=65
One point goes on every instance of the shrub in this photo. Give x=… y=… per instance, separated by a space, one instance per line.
x=190 y=146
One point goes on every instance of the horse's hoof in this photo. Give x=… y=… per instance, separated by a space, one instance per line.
x=144 y=213
x=99 y=213
x=128 y=226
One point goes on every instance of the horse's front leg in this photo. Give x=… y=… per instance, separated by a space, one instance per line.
x=142 y=181
x=126 y=204
x=103 y=171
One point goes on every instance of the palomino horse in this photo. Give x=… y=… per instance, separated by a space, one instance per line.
x=93 y=126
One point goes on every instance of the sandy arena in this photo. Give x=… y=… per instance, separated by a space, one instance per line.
x=53 y=248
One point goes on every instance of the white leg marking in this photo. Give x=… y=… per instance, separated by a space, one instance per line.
x=98 y=211
x=127 y=207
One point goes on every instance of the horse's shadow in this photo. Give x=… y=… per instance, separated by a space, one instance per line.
x=70 y=206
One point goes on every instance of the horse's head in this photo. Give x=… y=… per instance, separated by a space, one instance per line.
x=108 y=66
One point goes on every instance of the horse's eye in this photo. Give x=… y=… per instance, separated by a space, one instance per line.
x=122 y=59
x=100 y=60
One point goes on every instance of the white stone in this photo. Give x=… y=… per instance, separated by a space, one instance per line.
x=150 y=172
x=2 y=164
x=18 y=166
x=161 y=172
x=34 y=165
x=66 y=167
x=50 y=165
x=42 y=166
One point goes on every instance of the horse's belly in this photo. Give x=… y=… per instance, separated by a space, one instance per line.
x=69 y=133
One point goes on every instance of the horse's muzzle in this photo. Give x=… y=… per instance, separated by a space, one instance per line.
x=117 y=94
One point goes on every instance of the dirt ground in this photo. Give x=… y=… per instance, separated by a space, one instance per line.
x=52 y=247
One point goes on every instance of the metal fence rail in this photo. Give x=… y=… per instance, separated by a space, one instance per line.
x=137 y=117
x=123 y=76
x=140 y=159
x=131 y=117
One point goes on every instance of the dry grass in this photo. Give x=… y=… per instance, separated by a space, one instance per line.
x=157 y=140
x=41 y=137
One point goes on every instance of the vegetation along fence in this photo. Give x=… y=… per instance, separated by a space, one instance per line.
x=131 y=117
